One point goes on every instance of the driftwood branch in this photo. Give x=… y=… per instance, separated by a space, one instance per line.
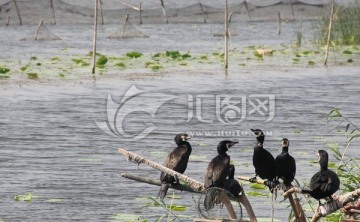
x=331 y=206
x=294 y=202
x=192 y=185
x=158 y=182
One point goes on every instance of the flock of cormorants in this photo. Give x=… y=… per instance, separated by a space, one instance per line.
x=220 y=173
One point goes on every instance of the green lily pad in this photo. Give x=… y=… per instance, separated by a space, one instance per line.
x=173 y=54
x=257 y=186
x=256 y=194
x=134 y=54
x=348 y=52
x=4 y=70
x=176 y=208
x=32 y=75
x=120 y=65
x=311 y=62
x=27 y=197
x=102 y=61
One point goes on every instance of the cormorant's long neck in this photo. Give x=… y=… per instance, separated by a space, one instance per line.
x=285 y=149
x=260 y=139
x=223 y=153
x=187 y=144
x=324 y=164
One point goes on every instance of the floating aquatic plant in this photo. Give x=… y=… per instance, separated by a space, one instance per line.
x=27 y=197
x=80 y=62
x=32 y=75
x=134 y=54
x=4 y=70
x=100 y=63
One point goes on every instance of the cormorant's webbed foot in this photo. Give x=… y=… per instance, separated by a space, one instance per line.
x=253 y=180
x=176 y=179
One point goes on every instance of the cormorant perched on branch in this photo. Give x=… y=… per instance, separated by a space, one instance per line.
x=325 y=182
x=177 y=160
x=285 y=164
x=231 y=184
x=218 y=169
x=263 y=161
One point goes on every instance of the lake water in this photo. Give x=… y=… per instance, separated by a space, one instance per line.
x=51 y=145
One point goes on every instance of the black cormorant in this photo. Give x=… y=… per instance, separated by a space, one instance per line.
x=218 y=168
x=285 y=164
x=325 y=182
x=231 y=184
x=263 y=161
x=177 y=160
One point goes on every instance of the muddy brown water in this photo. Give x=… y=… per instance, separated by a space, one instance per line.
x=51 y=146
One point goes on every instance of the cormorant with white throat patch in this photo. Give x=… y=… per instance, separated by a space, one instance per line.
x=325 y=182
x=285 y=164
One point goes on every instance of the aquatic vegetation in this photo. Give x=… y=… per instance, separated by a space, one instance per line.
x=24 y=68
x=55 y=200
x=257 y=186
x=100 y=63
x=345 y=28
x=120 y=65
x=4 y=70
x=134 y=54
x=80 y=62
x=32 y=75
x=26 y=197
x=256 y=194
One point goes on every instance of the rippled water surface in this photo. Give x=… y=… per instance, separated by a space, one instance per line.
x=51 y=146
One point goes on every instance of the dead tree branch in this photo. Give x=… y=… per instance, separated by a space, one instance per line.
x=333 y=205
x=192 y=185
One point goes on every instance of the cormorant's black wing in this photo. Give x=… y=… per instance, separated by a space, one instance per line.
x=217 y=171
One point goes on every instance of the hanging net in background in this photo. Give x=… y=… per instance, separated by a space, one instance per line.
x=30 y=11
x=42 y=33
x=127 y=31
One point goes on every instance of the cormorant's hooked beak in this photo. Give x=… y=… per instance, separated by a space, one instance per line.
x=256 y=132
x=229 y=145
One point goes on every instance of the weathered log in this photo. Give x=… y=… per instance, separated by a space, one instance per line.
x=158 y=182
x=192 y=185
x=332 y=205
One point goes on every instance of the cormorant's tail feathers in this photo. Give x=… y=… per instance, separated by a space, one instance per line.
x=306 y=191
x=163 y=190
